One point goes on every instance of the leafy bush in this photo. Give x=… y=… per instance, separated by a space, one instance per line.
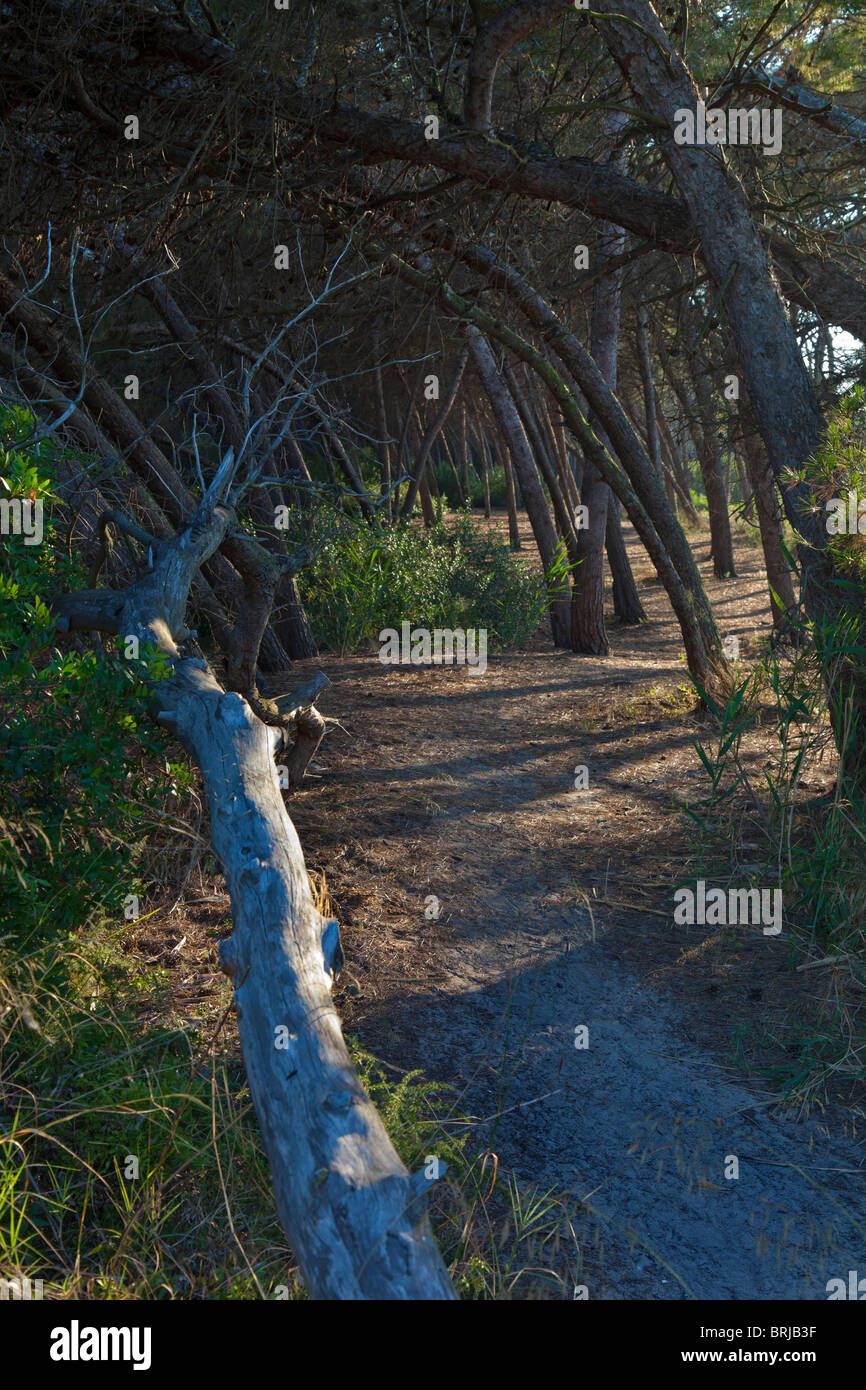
x=839 y=467
x=448 y=576
x=75 y=737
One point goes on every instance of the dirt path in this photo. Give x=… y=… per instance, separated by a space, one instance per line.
x=555 y=911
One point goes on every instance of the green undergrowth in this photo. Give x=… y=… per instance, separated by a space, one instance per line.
x=130 y=1159
x=448 y=576
x=782 y=808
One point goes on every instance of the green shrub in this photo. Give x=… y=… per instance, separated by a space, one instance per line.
x=451 y=575
x=75 y=734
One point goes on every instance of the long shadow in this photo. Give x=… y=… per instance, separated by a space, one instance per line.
x=479 y=793
x=635 y=1128
x=476 y=690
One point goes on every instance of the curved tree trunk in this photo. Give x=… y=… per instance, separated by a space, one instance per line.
x=143 y=457
x=588 y=632
x=510 y=502
x=779 y=577
x=626 y=600
x=530 y=483
x=644 y=498
x=355 y=1218
x=635 y=482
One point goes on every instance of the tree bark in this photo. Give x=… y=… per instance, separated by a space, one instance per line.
x=545 y=461
x=510 y=502
x=597 y=190
x=779 y=577
x=353 y=1215
x=667 y=546
x=710 y=455
x=458 y=482
x=675 y=464
x=627 y=606
x=384 y=447
x=530 y=483
x=144 y=458
x=588 y=633
x=432 y=432
x=464 y=453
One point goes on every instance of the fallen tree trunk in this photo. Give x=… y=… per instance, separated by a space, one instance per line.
x=355 y=1219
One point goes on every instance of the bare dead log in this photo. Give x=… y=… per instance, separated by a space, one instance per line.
x=354 y=1216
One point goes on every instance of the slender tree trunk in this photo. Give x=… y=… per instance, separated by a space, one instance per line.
x=626 y=600
x=674 y=462
x=432 y=433
x=721 y=542
x=485 y=473
x=555 y=445
x=433 y=484
x=588 y=633
x=779 y=577
x=649 y=399
x=555 y=430
x=562 y=516
x=384 y=447
x=464 y=452
x=458 y=481
x=353 y=477
x=745 y=487
x=425 y=499
x=510 y=502
x=524 y=464
x=703 y=432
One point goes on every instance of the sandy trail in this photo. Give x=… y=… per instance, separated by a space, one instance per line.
x=555 y=911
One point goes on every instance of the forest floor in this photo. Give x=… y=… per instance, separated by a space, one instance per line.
x=488 y=909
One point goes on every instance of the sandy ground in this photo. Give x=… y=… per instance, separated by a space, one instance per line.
x=555 y=911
